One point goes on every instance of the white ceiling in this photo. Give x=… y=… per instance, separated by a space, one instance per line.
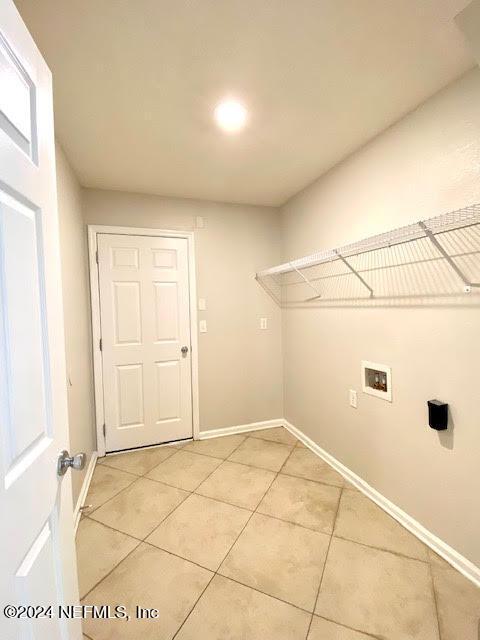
x=136 y=80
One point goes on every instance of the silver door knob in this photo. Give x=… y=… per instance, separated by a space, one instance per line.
x=184 y=350
x=65 y=460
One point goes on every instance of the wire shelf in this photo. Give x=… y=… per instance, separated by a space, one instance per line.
x=440 y=255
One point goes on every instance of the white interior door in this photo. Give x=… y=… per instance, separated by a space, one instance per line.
x=37 y=554
x=145 y=323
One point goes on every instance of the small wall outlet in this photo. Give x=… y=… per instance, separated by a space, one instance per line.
x=202 y=326
x=202 y=304
x=352 y=396
x=263 y=323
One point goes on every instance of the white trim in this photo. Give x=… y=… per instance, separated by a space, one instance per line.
x=93 y=231
x=241 y=428
x=459 y=562
x=84 y=490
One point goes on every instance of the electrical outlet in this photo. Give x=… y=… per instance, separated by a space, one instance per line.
x=353 y=398
x=202 y=304
x=263 y=323
x=203 y=326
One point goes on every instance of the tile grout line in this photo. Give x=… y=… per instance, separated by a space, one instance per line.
x=140 y=541
x=435 y=601
x=371 y=546
x=135 y=478
x=325 y=563
x=216 y=571
x=254 y=588
x=112 y=569
x=344 y=626
x=140 y=475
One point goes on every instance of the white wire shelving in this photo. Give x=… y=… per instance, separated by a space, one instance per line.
x=440 y=255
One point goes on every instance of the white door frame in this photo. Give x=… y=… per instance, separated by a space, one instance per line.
x=93 y=231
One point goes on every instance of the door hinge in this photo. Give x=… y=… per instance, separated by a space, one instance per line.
x=100 y=344
x=96 y=256
x=104 y=430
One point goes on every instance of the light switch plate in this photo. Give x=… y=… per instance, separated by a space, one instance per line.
x=200 y=222
x=202 y=304
x=353 y=398
x=263 y=323
x=203 y=326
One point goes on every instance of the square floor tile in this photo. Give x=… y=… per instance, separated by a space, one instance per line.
x=325 y=630
x=458 y=604
x=230 y=611
x=149 y=578
x=278 y=558
x=237 y=484
x=106 y=483
x=220 y=447
x=275 y=434
x=140 y=461
x=305 y=464
x=303 y=502
x=378 y=592
x=99 y=550
x=140 y=508
x=361 y=520
x=201 y=530
x=184 y=470
x=260 y=453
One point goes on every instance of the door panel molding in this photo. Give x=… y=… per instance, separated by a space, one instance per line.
x=93 y=232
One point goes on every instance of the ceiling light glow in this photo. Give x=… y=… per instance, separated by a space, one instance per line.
x=230 y=115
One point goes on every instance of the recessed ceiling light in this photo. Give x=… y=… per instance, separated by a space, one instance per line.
x=230 y=115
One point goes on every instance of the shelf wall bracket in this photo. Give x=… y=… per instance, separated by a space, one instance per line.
x=355 y=272
x=318 y=294
x=467 y=285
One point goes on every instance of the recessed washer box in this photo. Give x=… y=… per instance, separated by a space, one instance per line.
x=377 y=380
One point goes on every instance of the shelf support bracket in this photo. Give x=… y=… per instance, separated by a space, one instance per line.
x=318 y=294
x=467 y=286
x=355 y=272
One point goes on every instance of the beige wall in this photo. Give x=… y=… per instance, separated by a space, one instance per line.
x=427 y=164
x=76 y=302
x=240 y=366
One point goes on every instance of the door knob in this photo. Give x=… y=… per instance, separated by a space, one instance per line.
x=65 y=460
x=184 y=350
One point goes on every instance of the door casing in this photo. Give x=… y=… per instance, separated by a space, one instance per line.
x=93 y=231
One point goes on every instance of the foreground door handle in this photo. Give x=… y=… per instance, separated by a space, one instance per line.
x=184 y=350
x=65 y=460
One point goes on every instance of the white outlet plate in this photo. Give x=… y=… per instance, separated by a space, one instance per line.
x=352 y=395
x=263 y=323
x=203 y=326
x=202 y=304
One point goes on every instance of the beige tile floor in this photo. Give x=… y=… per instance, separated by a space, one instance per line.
x=253 y=537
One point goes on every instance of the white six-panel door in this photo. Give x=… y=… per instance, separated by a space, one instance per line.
x=37 y=556
x=145 y=323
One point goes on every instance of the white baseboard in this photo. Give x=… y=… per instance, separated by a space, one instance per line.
x=84 y=490
x=459 y=562
x=241 y=428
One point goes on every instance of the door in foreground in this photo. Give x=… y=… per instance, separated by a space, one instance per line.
x=37 y=555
